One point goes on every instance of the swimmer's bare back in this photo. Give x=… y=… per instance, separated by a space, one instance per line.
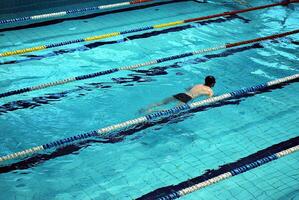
x=199 y=90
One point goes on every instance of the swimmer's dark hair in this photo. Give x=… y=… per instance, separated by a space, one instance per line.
x=210 y=81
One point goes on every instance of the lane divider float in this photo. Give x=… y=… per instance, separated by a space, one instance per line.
x=148 y=63
x=147 y=118
x=158 y=26
x=69 y=12
x=252 y=161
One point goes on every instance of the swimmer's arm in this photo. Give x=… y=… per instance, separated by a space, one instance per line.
x=188 y=88
x=210 y=94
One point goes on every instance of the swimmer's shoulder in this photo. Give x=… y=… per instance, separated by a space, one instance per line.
x=198 y=86
x=206 y=90
x=210 y=92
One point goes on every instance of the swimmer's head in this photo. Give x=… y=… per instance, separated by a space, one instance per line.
x=210 y=81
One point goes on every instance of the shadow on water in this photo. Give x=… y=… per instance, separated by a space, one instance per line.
x=89 y=16
x=171 y=189
x=139 y=76
x=119 y=136
x=94 y=45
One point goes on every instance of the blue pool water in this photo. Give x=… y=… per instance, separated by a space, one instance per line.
x=134 y=163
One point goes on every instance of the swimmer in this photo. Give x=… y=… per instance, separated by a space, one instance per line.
x=194 y=92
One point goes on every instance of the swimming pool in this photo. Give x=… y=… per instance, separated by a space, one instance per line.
x=135 y=162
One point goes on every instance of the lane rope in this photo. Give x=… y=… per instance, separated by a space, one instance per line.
x=147 y=118
x=158 y=26
x=70 y=12
x=148 y=63
x=231 y=169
